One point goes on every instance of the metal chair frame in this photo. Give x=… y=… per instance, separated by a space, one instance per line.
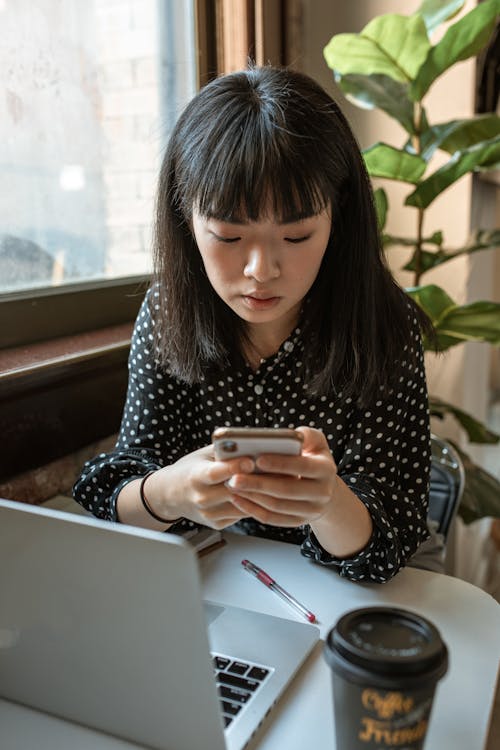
x=446 y=484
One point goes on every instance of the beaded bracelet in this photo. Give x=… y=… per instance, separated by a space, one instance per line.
x=146 y=504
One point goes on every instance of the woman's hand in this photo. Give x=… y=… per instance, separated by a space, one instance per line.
x=291 y=490
x=297 y=490
x=194 y=487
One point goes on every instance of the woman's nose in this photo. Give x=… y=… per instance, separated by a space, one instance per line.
x=261 y=265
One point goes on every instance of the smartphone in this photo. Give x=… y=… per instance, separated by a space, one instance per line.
x=232 y=442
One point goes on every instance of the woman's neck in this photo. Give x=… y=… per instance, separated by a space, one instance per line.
x=264 y=340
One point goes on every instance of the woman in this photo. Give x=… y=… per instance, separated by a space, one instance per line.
x=271 y=305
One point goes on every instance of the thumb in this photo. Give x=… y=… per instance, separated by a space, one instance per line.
x=314 y=440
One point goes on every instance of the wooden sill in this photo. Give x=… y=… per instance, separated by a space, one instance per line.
x=23 y=361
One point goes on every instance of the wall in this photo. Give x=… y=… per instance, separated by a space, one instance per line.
x=462 y=375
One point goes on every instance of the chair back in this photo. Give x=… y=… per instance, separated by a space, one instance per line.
x=446 y=484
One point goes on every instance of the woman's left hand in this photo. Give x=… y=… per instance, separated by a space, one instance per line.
x=291 y=490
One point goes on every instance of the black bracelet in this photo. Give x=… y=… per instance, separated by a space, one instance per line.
x=146 y=504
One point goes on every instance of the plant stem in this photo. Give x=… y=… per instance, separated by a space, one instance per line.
x=418 y=247
x=420 y=216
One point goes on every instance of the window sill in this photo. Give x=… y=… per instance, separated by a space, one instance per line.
x=33 y=364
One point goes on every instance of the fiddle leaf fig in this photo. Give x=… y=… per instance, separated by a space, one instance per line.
x=383 y=160
x=381 y=206
x=390 y=65
x=485 y=155
x=477 y=321
x=433 y=300
x=454 y=324
x=458 y=135
x=481 y=495
x=390 y=45
x=435 y=12
x=476 y=431
x=464 y=39
x=369 y=91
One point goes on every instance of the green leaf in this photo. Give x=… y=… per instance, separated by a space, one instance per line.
x=428 y=260
x=435 y=12
x=383 y=160
x=464 y=39
x=454 y=324
x=403 y=38
x=485 y=154
x=433 y=300
x=381 y=206
x=477 y=321
x=390 y=45
x=481 y=240
x=481 y=496
x=369 y=91
x=477 y=432
x=458 y=135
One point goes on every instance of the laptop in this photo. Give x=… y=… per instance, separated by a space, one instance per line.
x=104 y=624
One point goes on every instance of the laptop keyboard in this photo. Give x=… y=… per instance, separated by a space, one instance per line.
x=237 y=683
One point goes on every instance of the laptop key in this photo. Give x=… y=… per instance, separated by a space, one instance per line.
x=238 y=667
x=234 y=695
x=230 y=708
x=220 y=662
x=227 y=720
x=258 y=673
x=236 y=681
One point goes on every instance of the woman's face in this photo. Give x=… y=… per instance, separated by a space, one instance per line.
x=263 y=269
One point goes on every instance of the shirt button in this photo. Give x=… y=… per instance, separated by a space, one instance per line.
x=288 y=346
x=258 y=389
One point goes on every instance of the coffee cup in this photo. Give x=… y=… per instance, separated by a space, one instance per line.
x=386 y=663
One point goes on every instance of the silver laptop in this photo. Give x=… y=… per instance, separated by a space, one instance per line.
x=104 y=624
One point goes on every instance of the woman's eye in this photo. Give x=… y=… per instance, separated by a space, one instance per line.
x=296 y=240
x=226 y=239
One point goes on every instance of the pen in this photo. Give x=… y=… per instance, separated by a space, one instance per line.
x=266 y=579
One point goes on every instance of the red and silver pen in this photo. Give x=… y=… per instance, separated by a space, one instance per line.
x=266 y=579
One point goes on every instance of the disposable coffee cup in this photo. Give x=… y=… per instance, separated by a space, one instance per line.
x=386 y=663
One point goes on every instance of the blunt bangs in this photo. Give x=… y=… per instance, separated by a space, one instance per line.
x=251 y=157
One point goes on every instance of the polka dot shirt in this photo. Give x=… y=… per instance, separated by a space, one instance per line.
x=382 y=452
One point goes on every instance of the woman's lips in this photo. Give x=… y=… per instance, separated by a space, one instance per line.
x=260 y=303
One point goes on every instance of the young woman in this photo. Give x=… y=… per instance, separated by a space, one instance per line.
x=272 y=306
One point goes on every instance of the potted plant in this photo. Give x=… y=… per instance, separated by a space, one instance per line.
x=390 y=65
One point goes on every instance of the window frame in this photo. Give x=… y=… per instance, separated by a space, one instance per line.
x=45 y=313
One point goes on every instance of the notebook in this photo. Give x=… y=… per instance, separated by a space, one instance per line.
x=104 y=624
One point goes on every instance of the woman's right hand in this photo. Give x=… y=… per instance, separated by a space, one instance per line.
x=194 y=488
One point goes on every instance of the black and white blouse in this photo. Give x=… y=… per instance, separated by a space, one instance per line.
x=382 y=452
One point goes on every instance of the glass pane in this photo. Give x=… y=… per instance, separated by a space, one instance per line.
x=88 y=94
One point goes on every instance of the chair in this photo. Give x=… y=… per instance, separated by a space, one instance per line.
x=446 y=484
x=446 y=489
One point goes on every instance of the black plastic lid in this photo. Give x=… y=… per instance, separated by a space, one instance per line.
x=386 y=646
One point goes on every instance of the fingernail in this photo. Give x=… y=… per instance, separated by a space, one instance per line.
x=247 y=465
x=230 y=483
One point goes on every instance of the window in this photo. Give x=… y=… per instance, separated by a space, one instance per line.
x=90 y=91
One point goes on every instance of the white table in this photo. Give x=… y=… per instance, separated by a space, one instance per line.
x=468 y=618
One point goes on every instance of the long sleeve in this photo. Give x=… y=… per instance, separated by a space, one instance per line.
x=382 y=452
x=385 y=461
x=153 y=432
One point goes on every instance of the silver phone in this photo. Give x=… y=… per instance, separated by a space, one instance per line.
x=232 y=442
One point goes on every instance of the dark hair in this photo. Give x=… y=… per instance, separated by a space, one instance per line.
x=272 y=134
